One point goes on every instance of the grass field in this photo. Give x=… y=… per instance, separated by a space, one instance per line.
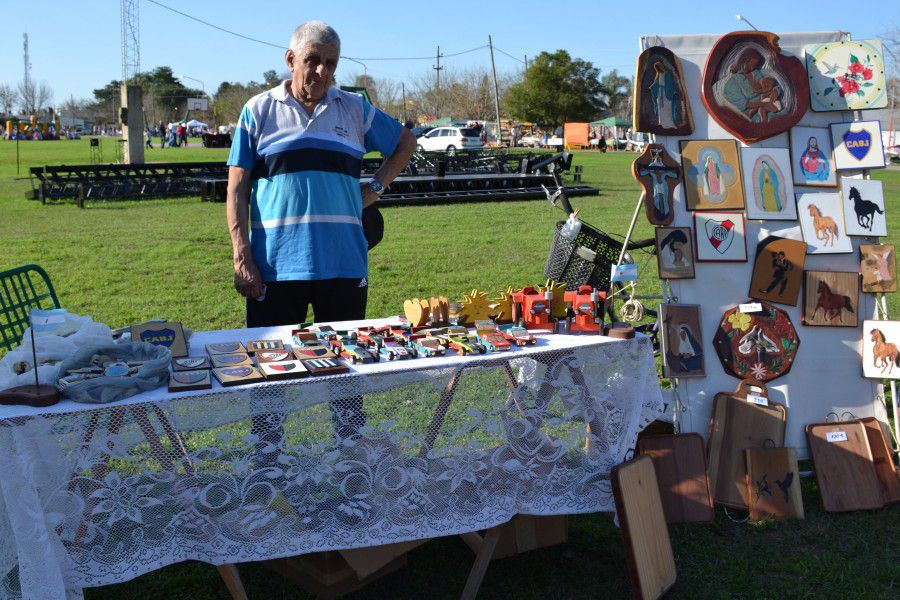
x=125 y=262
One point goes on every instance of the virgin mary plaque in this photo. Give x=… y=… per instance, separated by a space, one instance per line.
x=660 y=101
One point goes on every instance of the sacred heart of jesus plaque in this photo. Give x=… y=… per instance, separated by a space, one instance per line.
x=761 y=344
x=751 y=89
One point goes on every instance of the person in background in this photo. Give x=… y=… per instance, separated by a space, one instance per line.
x=149 y=139
x=162 y=134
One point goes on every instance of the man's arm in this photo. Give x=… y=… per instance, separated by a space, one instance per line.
x=392 y=165
x=247 y=280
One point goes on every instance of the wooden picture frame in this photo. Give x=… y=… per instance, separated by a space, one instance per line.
x=830 y=299
x=720 y=237
x=661 y=104
x=812 y=157
x=751 y=89
x=659 y=174
x=675 y=252
x=821 y=218
x=881 y=349
x=778 y=270
x=683 y=354
x=857 y=145
x=864 y=210
x=846 y=75
x=878 y=268
x=768 y=184
x=712 y=175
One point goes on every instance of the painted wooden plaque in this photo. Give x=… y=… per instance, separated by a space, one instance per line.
x=191 y=363
x=878 y=267
x=768 y=185
x=659 y=175
x=325 y=366
x=773 y=484
x=287 y=369
x=883 y=459
x=751 y=89
x=720 y=236
x=844 y=468
x=675 y=252
x=642 y=521
x=712 y=175
x=682 y=340
x=778 y=270
x=169 y=335
x=267 y=356
x=225 y=348
x=661 y=103
x=857 y=145
x=760 y=345
x=831 y=299
x=681 y=474
x=183 y=381
x=863 y=207
x=231 y=360
x=229 y=376
x=255 y=346
x=812 y=157
x=846 y=75
x=822 y=223
x=881 y=349
x=740 y=421
x=308 y=352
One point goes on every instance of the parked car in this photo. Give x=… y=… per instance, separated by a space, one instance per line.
x=450 y=140
x=892 y=154
x=530 y=141
x=420 y=130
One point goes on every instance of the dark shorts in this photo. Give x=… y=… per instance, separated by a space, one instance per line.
x=288 y=302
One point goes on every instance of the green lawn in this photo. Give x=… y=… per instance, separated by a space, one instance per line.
x=126 y=262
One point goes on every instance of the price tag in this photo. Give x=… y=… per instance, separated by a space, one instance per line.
x=754 y=399
x=750 y=307
x=836 y=436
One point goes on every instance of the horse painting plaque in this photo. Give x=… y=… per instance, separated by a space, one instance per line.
x=712 y=175
x=831 y=299
x=778 y=270
x=720 y=237
x=682 y=342
x=857 y=145
x=812 y=158
x=768 y=186
x=659 y=175
x=881 y=357
x=846 y=75
x=863 y=207
x=760 y=345
x=661 y=103
x=751 y=89
x=822 y=223
x=674 y=253
x=878 y=267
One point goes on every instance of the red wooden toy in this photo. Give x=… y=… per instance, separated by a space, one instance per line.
x=586 y=305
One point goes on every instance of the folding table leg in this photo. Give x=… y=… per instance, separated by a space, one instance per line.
x=482 y=562
x=231 y=577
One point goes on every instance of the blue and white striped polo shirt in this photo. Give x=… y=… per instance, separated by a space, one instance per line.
x=305 y=203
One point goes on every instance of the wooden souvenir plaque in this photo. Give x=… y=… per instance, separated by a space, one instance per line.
x=288 y=369
x=773 y=483
x=831 y=299
x=740 y=420
x=845 y=470
x=883 y=459
x=229 y=376
x=169 y=335
x=231 y=360
x=878 y=267
x=325 y=366
x=761 y=345
x=259 y=345
x=225 y=348
x=183 y=381
x=881 y=349
x=675 y=252
x=644 y=530
x=751 y=89
x=191 y=363
x=778 y=270
x=712 y=175
x=661 y=103
x=680 y=463
x=309 y=352
x=267 y=356
x=659 y=174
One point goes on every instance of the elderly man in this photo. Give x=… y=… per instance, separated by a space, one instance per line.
x=296 y=160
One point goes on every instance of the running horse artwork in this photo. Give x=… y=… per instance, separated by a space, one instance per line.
x=660 y=99
x=885 y=356
x=751 y=89
x=659 y=175
x=826 y=228
x=831 y=298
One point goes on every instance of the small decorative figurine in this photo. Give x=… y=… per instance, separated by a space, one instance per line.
x=586 y=303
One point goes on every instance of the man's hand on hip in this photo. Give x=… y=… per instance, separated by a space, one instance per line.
x=247 y=280
x=368 y=196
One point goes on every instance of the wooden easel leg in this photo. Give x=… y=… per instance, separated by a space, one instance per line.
x=482 y=562
x=231 y=577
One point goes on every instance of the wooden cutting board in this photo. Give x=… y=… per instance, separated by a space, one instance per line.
x=844 y=467
x=773 y=483
x=883 y=459
x=644 y=530
x=680 y=463
x=737 y=424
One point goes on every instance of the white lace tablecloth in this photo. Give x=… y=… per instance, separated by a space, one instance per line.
x=93 y=495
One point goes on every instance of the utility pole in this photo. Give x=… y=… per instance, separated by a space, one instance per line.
x=437 y=69
x=526 y=62
x=403 y=89
x=496 y=89
x=27 y=81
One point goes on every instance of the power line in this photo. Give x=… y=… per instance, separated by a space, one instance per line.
x=508 y=54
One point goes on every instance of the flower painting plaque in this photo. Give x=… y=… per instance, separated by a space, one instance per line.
x=761 y=345
x=751 y=89
x=661 y=103
x=846 y=75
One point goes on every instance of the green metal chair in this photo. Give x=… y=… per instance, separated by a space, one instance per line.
x=22 y=289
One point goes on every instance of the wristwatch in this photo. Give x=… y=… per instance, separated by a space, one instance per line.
x=376 y=186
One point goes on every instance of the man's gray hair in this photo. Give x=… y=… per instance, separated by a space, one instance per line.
x=314 y=32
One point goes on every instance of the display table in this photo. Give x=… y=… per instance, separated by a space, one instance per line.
x=99 y=494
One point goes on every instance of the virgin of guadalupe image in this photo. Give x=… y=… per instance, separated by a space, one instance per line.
x=664 y=91
x=813 y=162
x=748 y=91
x=686 y=354
x=768 y=189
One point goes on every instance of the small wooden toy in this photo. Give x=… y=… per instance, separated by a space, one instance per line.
x=267 y=356
x=535 y=308
x=288 y=369
x=502 y=306
x=467 y=344
x=440 y=310
x=494 y=341
x=229 y=376
x=395 y=351
x=257 y=345
x=517 y=335
x=191 y=363
x=325 y=366
x=183 y=381
x=309 y=352
x=429 y=346
x=168 y=334
x=586 y=303
x=357 y=354
x=324 y=332
x=231 y=360
x=417 y=311
x=225 y=348
x=305 y=337
x=474 y=307
x=485 y=326
x=371 y=337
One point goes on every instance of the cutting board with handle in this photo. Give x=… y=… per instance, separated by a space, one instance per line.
x=680 y=463
x=773 y=483
x=883 y=459
x=844 y=467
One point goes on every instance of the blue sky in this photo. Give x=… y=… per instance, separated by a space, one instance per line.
x=75 y=46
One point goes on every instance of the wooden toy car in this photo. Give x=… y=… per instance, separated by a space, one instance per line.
x=518 y=336
x=429 y=346
x=468 y=344
x=370 y=337
x=494 y=341
x=484 y=326
x=324 y=332
x=393 y=351
x=304 y=337
x=457 y=330
x=357 y=354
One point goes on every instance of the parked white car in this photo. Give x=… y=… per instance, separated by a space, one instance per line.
x=450 y=140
